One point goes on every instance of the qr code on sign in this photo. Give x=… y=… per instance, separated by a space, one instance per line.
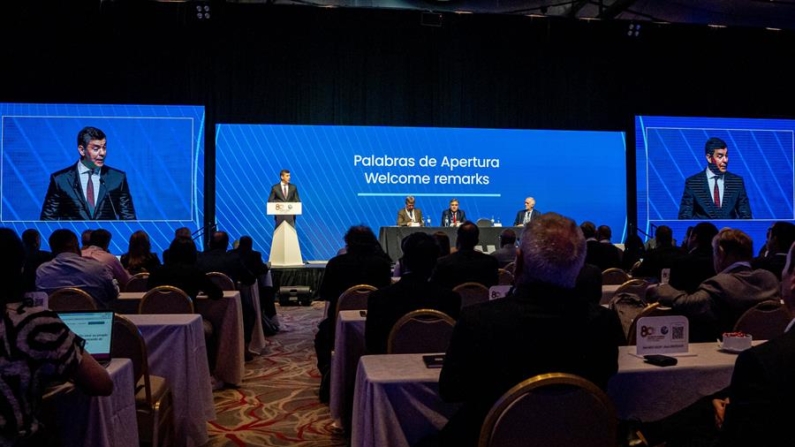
x=677 y=332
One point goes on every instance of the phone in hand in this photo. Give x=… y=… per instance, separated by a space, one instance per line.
x=660 y=360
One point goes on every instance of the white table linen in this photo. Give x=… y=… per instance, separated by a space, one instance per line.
x=100 y=421
x=175 y=344
x=397 y=402
x=349 y=346
x=226 y=315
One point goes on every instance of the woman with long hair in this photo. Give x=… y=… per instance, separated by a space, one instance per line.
x=139 y=257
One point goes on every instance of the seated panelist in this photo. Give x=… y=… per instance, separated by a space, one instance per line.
x=409 y=216
x=453 y=216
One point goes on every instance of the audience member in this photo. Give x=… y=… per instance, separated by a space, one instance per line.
x=139 y=257
x=444 y=243
x=34 y=257
x=98 y=249
x=664 y=255
x=85 y=239
x=719 y=301
x=385 y=306
x=217 y=259
x=70 y=269
x=30 y=363
x=759 y=407
x=364 y=262
x=780 y=237
x=593 y=254
x=179 y=233
x=690 y=270
x=507 y=251
x=466 y=264
x=180 y=271
x=252 y=261
x=610 y=254
x=542 y=327
x=634 y=251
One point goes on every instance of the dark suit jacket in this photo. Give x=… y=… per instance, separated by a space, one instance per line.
x=447 y=217
x=761 y=394
x=602 y=255
x=386 y=306
x=277 y=195
x=697 y=201
x=186 y=277
x=519 y=221
x=497 y=344
x=657 y=259
x=772 y=263
x=689 y=271
x=227 y=262
x=65 y=199
x=464 y=266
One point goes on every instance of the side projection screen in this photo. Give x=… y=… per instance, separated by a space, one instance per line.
x=349 y=175
x=145 y=164
x=676 y=176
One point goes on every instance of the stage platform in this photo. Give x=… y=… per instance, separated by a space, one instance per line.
x=310 y=274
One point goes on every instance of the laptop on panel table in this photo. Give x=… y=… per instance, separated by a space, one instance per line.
x=95 y=327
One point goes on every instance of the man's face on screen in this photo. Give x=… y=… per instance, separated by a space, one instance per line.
x=93 y=154
x=286 y=177
x=719 y=159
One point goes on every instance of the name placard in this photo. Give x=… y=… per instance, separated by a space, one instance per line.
x=662 y=335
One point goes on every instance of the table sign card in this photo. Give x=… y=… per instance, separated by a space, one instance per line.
x=499 y=291
x=662 y=335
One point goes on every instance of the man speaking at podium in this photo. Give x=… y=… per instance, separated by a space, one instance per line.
x=284 y=191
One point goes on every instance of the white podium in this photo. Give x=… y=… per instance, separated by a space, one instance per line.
x=285 y=250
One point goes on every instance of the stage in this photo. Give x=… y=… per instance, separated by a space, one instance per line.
x=304 y=275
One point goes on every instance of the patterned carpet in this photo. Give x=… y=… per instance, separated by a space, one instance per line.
x=278 y=403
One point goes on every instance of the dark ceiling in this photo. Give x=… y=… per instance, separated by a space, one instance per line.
x=733 y=13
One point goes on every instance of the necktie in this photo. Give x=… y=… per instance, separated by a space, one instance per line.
x=284 y=191
x=90 y=192
x=716 y=193
x=454 y=218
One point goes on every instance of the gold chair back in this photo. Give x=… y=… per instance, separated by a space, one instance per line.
x=71 y=298
x=422 y=330
x=551 y=410
x=765 y=320
x=472 y=293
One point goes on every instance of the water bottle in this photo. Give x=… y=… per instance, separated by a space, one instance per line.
x=492 y=221
x=428 y=222
x=447 y=221
x=499 y=224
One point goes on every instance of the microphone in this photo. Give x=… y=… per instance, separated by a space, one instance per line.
x=110 y=198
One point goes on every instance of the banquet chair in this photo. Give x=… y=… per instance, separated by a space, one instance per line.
x=354 y=298
x=420 y=331
x=511 y=267
x=552 y=410
x=153 y=397
x=506 y=277
x=472 y=293
x=71 y=298
x=221 y=280
x=137 y=283
x=765 y=320
x=637 y=286
x=166 y=300
x=652 y=310
x=483 y=222
x=614 y=275
x=171 y=300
